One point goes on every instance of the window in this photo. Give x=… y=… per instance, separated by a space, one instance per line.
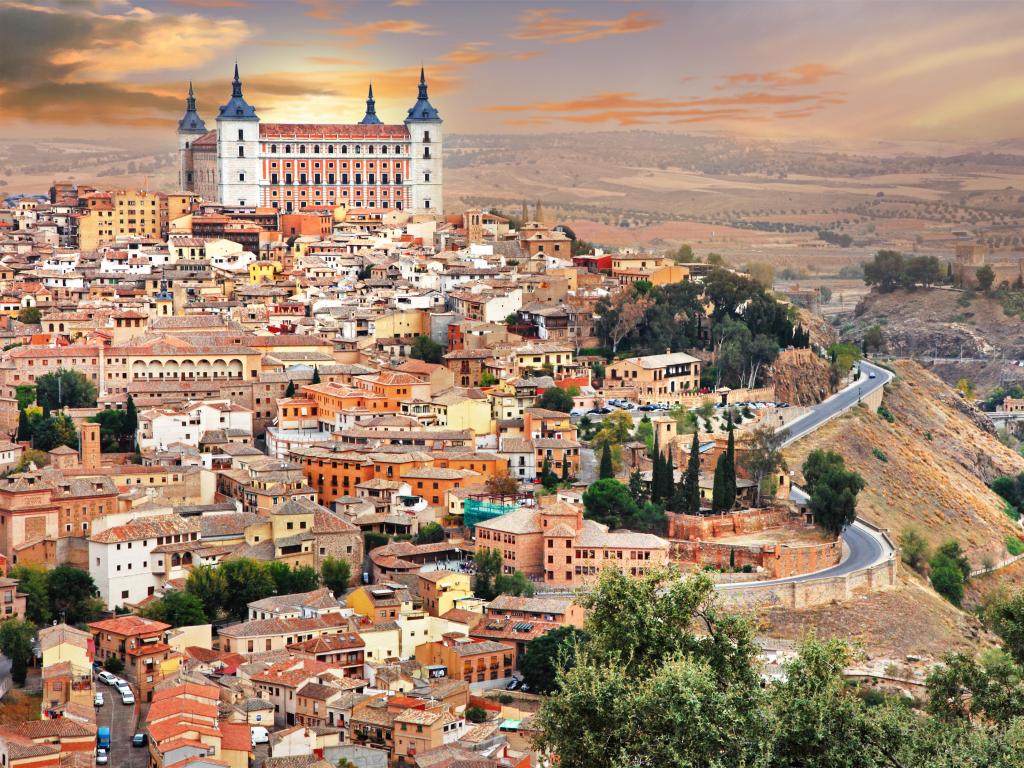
x=273 y=147
x=241 y=135
x=124 y=594
x=241 y=177
x=426 y=177
x=241 y=151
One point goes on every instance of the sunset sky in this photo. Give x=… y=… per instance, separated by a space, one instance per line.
x=848 y=72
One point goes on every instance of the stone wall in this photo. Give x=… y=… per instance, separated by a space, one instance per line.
x=696 y=527
x=778 y=560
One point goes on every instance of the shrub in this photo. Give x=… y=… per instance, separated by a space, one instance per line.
x=928 y=436
x=913 y=549
x=1014 y=546
x=886 y=414
x=476 y=714
x=948 y=582
x=505 y=699
x=114 y=665
x=879 y=454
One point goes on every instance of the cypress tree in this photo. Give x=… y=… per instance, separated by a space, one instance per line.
x=565 y=468
x=668 y=477
x=131 y=418
x=290 y=389
x=606 y=471
x=718 y=490
x=24 y=429
x=689 y=485
x=636 y=489
x=729 y=499
x=656 y=478
x=316 y=374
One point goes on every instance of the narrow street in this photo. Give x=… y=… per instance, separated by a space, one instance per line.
x=122 y=720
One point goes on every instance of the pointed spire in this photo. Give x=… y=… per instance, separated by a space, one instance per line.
x=237 y=108
x=191 y=94
x=370 y=118
x=423 y=109
x=191 y=122
x=423 y=83
x=236 y=85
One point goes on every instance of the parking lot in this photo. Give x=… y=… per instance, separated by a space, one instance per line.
x=122 y=720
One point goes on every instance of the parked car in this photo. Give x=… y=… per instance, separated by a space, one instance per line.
x=97 y=700
x=647 y=408
x=513 y=685
x=127 y=697
x=102 y=758
x=120 y=682
x=260 y=735
x=106 y=677
x=139 y=740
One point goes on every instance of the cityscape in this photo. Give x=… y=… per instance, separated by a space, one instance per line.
x=437 y=384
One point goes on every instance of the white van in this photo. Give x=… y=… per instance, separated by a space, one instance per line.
x=260 y=735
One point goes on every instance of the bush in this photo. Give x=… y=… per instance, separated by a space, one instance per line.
x=476 y=714
x=505 y=698
x=114 y=665
x=886 y=414
x=879 y=454
x=913 y=549
x=1014 y=546
x=948 y=582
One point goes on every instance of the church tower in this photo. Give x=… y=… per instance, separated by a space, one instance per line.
x=424 y=125
x=370 y=118
x=190 y=128
x=238 y=144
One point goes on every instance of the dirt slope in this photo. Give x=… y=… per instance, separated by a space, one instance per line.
x=936 y=485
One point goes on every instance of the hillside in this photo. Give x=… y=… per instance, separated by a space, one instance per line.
x=929 y=323
x=939 y=459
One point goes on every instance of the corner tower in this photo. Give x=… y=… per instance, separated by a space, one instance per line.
x=238 y=143
x=426 y=169
x=190 y=128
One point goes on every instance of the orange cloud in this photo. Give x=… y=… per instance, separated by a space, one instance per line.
x=478 y=53
x=626 y=108
x=212 y=3
x=405 y=3
x=801 y=75
x=325 y=10
x=363 y=34
x=553 y=25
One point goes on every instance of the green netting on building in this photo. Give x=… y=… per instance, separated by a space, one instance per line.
x=476 y=511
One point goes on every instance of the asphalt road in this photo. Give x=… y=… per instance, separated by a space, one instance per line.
x=863 y=546
x=840 y=402
x=121 y=719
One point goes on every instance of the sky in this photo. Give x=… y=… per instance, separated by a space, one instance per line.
x=845 y=72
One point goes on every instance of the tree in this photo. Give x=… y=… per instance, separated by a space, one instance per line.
x=885 y=271
x=64 y=388
x=762 y=273
x=289 y=391
x=475 y=713
x=1005 y=615
x=621 y=315
x=833 y=490
x=763 y=455
x=556 y=399
x=913 y=548
x=32 y=580
x=548 y=479
x=636 y=488
x=113 y=664
x=517 y=584
x=292 y=580
x=50 y=431
x=247 y=581
x=31 y=457
x=608 y=501
x=951 y=552
x=502 y=485
x=549 y=655
x=720 y=485
x=17 y=638
x=947 y=581
x=210 y=587
x=985 y=277
x=336 y=575
x=72 y=593
x=729 y=497
x=965 y=388
x=488 y=567
x=131 y=417
x=179 y=609
x=825 y=294
x=431 y=533
x=616 y=429
x=316 y=375
x=426 y=349
x=688 y=499
x=874 y=339
x=24 y=427
x=29 y=315
x=606 y=470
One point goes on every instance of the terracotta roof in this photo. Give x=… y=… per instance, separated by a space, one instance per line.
x=129 y=626
x=328 y=131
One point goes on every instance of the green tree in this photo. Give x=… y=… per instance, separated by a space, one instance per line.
x=26 y=395
x=431 y=533
x=606 y=471
x=179 y=609
x=516 y=583
x=32 y=581
x=913 y=548
x=763 y=455
x=833 y=489
x=24 y=427
x=608 y=501
x=113 y=664
x=292 y=580
x=336 y=575
x=488 y=567
x=474 y=712
x=985 y=277
x=17 y=638
x=64 y=388
x=947 y=581
x=885 y=272
x=549 y=655
x=1005 y=615
x=29 y=315
x=73 y=594
x=636 y=488
x=954 y=554
x=210 y=587
x=688 y=500
x=488 y=379
x=874 y=339
x=29 y=457
x=547 y=475
x=729 y=497
x=131 y=418
x=316 y=375
x=556 y=399
x=426 y=349
x=247 y=581
x=720 y=485
x=289 y=391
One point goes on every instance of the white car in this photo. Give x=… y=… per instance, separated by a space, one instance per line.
x=101 y=757
x=127 y=697
x=97 y=700
x=107 y=677
x=260 y=735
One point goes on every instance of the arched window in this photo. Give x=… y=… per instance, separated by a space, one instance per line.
x=344 y=149
x=316 y=148
x=273 y=147
x=359 y=149
x=383 y=149
x=369 y=149
x=288 y=149
x=302 y=149
x=330 y=149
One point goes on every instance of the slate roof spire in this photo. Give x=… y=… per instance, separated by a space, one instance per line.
x=370 y=118
x=191 y=122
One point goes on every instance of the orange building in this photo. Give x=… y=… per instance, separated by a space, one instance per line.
x=467 y=659
x=140 y=644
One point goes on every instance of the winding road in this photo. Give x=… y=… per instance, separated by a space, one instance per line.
x=863 y=545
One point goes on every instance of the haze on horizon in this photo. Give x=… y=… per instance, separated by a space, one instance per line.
x=851 y=74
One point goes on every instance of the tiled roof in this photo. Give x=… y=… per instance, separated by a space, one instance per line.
x=148 y=528
x=129 y=626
